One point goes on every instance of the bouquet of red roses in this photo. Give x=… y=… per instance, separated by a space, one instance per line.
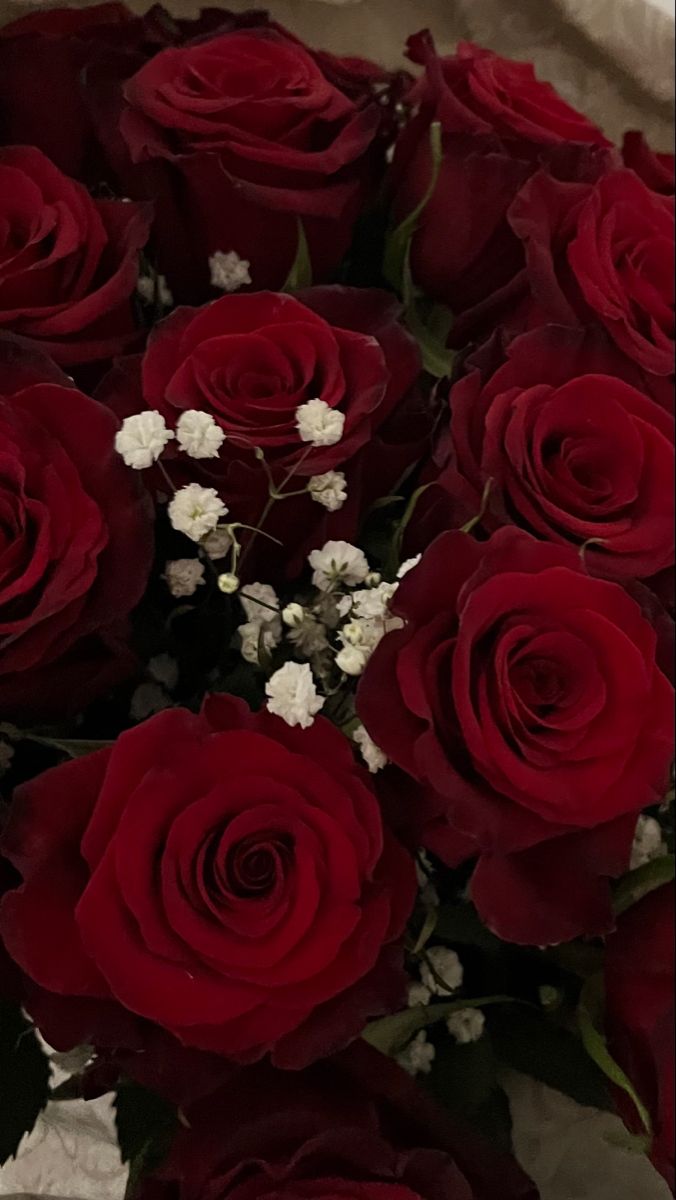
x=336 y=537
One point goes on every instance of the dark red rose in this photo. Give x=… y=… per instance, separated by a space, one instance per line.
x=56 y=50
x=223 y=876
x=75 y=541
x=602 y=252
x=499 y=124
x=68 y=264
x=656 y=170
x=237 y=137
x=560 y=428
x=251 y=361
x=639 y=977
x=355 y=1127
x=50 y=49
x=525 y=696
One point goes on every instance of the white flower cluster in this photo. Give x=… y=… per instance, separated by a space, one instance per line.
x=370 y=619
x=334 y=630
x=442 y=975
x=143 y=437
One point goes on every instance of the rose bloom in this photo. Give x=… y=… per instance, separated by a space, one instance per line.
x=251 y=361
x=75 y=541
x=603 y=253
x=499 y=124
x=639 y=977
x=57 y=50
x=51 y=49
x=355 y=1127
x=526 y=700
x=68 y=264
x=559 y=427
x=238 y=137
x=222 y=875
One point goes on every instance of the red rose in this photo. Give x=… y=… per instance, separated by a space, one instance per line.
x=252 y=360
x=656 y=170
x=570 y=450
x=56 y=50
x=640 y=1015
x=223 y=876
x=68 y=264
x=356 y=1127
x=602 y=252
x=75 y=541
x=50 y=49
x=236 y=137
x=526 y=697
x=499 y=124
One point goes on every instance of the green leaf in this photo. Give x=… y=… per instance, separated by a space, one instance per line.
x=399 y=240
x=24 y=1079
x=530 y=1042
x=428 y=927
x=300 y=275
x=471 y=524
x=639 y=883
x=437 y=359
x=73 y=747
x=392 y=1034
x=589 y=1019
x=401 y=527
x=146 y=1125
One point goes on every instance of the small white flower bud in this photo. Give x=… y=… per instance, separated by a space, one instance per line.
x=228 y=583
x=351 y=661
x=352 y=633
x=373 y=579
x=293 y=615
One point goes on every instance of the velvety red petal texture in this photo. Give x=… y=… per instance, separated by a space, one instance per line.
x=575 y=448
x=75 y=541
x=602 y=252
x=355 y=1127
x=499 y=125
x=68 y=264
x=527 y=696
x=215 y=880
x=639 y=978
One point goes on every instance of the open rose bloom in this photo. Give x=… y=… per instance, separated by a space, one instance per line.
x=336 y=607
